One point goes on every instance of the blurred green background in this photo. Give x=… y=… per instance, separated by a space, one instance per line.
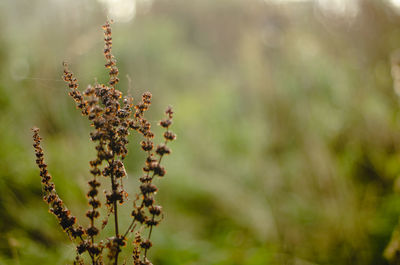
x=288 y=125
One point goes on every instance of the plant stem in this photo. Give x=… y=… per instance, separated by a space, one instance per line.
x=148 y=238
x=114 y=188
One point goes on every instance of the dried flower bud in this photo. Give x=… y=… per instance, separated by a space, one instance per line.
x=159 y=170
x=152 y=222
x=94 y=203
x=94 y=183
x=139 y=216
x=78 y=232
x=67 y=221
x=94 y=249
x=169 y=112
x=82 y=247
x=146 y=244
x=155 y=210
x=147 y=145
x=162 y=149
x=114 y=197
x=165 y=123
x=92 y=231
x=92 y=193
x=169 y=136
x=91 y=214
x=148 y=201
x=148 y=188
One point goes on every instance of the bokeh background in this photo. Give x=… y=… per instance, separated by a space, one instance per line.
x=288 y=125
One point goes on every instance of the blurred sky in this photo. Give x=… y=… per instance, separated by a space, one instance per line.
x=124 y=10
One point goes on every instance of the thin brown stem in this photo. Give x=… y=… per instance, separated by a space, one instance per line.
x=133 y=221
x=148 y=237
x=113 y=186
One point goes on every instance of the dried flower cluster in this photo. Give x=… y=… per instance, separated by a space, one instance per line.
x=112 y=118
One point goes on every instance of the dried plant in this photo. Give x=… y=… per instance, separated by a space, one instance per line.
x=112 y=118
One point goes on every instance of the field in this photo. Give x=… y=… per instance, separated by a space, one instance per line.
x=286 y=113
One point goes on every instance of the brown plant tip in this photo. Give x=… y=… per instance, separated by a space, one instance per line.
x=111 y=62
x=50 y=196
x=169 y=112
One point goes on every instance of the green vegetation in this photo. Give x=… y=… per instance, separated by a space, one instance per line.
x=288 y=125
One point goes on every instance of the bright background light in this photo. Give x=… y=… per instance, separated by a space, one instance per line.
x=120 y=10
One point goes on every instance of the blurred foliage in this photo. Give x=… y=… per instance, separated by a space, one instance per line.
x=288 y=128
